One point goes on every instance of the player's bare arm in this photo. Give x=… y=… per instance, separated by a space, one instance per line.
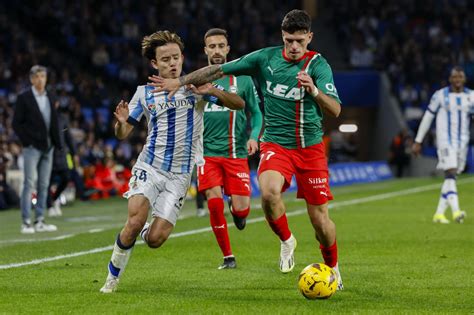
x=122 y=127
x=229 y=100
x=197 y=78
x=328 y=104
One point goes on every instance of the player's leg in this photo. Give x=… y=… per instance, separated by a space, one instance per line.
x=157 y=232
x=446 y=194
x=274 y=176
x=325 y=231
x=237 y=185
x=271 y=184
x=138 y=206
x=215 y=203
x=210 y=182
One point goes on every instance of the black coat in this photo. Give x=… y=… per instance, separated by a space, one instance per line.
x=29 y=124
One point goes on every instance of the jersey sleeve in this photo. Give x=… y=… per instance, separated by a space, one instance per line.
x=246 y=65
x=135 y=106
x=249 y=94
x=435 y=103
x=323 y=78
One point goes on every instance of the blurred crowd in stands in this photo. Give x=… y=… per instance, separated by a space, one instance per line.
x=93 y=54
x=415 y=41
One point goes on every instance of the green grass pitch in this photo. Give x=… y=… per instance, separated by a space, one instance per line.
x=393 y=259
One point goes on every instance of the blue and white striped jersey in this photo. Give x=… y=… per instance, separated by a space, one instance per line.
x=452 y=112
x=174 y=127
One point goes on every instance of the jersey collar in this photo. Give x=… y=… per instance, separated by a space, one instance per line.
x=309 y=53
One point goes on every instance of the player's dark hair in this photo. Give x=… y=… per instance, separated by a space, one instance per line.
x=157 y=39
x=296 y=20
x=215 y=32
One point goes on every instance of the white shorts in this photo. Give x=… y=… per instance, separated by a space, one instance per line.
x=452 y=158
x=166 y=191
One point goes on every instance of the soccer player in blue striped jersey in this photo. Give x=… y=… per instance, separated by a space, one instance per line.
x=451 y=106
x=162 y=173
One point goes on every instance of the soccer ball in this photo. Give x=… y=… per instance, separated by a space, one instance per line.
x=317 y=281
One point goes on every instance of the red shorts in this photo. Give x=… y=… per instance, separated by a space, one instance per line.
x=309 y=165
x=232 y=174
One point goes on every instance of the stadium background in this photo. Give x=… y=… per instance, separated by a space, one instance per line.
x=387 y=56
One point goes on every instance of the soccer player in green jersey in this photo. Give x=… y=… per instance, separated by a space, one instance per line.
x=226 y=146
x=297 y=86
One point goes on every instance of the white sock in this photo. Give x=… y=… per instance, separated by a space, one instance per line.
x=451 y=194
x=443 y=201
x=119 y=260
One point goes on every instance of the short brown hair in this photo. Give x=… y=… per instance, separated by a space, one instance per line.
x=157 y=39
x=215 y=32
x=296 y=20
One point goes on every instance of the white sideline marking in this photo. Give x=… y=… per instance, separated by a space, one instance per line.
x=339 y=204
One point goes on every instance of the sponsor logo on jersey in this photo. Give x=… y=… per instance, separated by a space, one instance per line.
x=270 y=69
x=243 y=175
x=282 y=90
x=233 y=89
x=211 y=107
x=317 y=180
x=187 y=102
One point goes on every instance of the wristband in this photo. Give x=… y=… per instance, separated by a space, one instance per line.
x=315 y=92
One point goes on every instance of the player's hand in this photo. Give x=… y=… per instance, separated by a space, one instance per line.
x=416 y=148
x=203 y=89
x=121 y=112
x=252 y=147
x=161 y=84
x=306 y=81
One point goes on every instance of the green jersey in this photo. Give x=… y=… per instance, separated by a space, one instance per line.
x=293 y=119
x=225 y=130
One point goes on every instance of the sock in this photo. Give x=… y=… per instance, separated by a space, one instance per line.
x=242 y=213
x=219 y=224
x=119 y=260
x=442 y=205
x=280 y=227
x=451 y=193
x=329 y=254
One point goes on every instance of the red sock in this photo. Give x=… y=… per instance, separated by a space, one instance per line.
x=329 y=254
x=242 y=213
x=219 y=224
x=280 y=227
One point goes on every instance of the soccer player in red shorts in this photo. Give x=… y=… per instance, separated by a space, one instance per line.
x=297 y=87
x=226 y=145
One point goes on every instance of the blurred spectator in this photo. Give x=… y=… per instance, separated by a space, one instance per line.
x=8 y=196
x=342 y=147
x=36 y=123
x=62 y=161
x=400 y=152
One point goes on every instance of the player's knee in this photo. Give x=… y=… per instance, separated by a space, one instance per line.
x=135 y=225
x=155 y=241
x=319 y=215
x=271 y=195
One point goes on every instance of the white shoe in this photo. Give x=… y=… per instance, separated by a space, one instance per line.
x=440 y=218
x=110 y=285
x=41 y=226
x=144 y=231
x=201 y=212
x=340 y=286
x=57 y=207
x=52 y=212
x=287 y=249
x=27 y=229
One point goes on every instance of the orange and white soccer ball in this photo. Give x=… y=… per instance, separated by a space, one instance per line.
x=317 y=281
